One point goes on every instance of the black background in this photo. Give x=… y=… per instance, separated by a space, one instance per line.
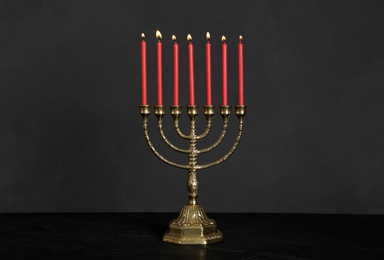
x=70 y=129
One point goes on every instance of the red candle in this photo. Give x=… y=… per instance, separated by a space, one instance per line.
x=190 y=72
x=159 y=69
x=241 y=70
x=208 y=70
x=143 y=70
x=224 y=72
x=175 y=71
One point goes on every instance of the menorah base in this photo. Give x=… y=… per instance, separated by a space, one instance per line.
x=193 y=227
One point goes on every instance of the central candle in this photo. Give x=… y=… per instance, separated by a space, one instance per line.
x=191 y=72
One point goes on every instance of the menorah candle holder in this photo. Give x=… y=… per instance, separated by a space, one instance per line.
x=193 y=225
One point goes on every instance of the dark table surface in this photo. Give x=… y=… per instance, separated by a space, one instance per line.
x=138 y=236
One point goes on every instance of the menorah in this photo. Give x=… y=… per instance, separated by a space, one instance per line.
x=193 y=225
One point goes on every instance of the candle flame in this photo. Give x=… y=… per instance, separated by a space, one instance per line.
x=223 y=39
x=174 y=38
x=143 y=36
x=158 y=35
x=208 y=36
x=189 y=38
x=240 y=38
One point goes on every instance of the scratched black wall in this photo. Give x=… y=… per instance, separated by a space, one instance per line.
x=70 y=129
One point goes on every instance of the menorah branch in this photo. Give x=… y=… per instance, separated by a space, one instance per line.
x=209 y=112
x=145 y=111
x=178 y=130
x=225 y=112
x=240 y=112
x=176 y=113
x=160 y=112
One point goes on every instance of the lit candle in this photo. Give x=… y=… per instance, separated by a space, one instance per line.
x=190 y=72
x=143 y=70
x=241 y=70
x=159 y=69
x=224 y=72
x=175 y=71
x=208 y=70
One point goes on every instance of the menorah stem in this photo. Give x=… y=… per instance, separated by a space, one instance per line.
x=192 y=184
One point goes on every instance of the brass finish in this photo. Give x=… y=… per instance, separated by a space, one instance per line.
x=193 y=226
x=145 y=109
x=192 y=110
x=176 y=110
x=241 y=110
x=159 y=110
x=225 y=110
x=209 y=110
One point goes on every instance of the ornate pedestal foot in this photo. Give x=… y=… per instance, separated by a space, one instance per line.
x=193 y=227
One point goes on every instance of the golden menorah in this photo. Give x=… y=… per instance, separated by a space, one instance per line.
x=193 y=225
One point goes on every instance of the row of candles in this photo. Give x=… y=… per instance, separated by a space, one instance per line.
x=159 y=70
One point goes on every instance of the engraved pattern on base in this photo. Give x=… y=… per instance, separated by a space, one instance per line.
x=193 y=227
